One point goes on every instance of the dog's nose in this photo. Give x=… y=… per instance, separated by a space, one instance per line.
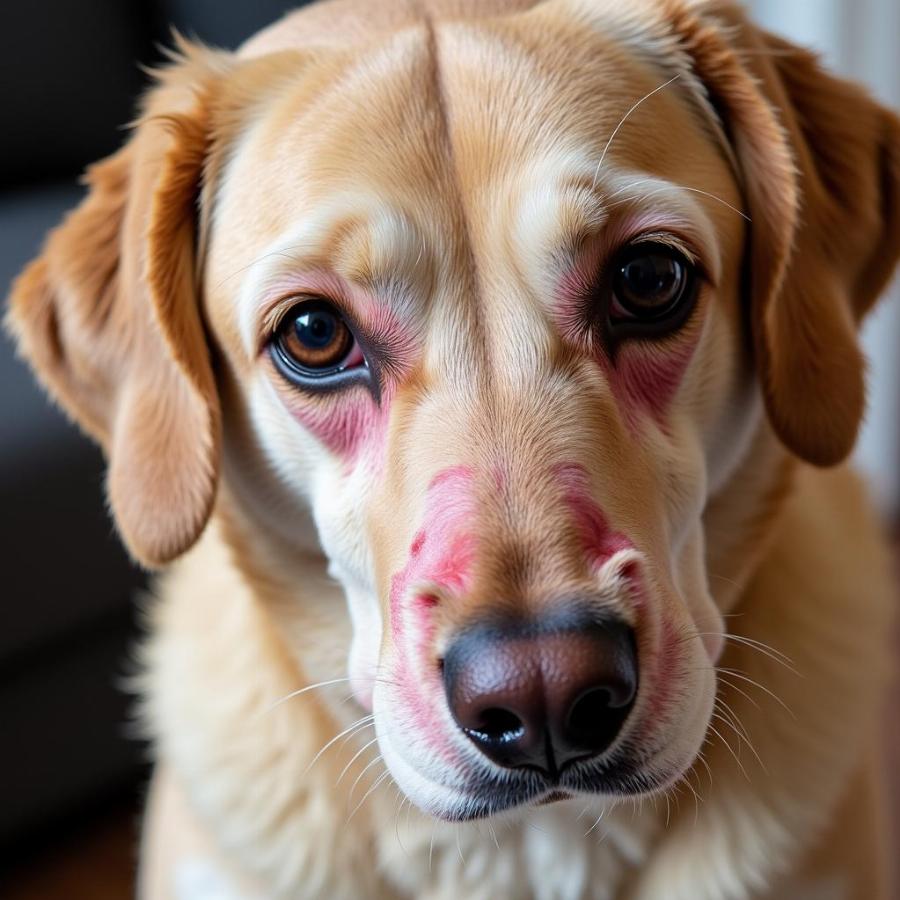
x=542 y=694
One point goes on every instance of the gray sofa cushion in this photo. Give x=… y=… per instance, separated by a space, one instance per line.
x=223 y=24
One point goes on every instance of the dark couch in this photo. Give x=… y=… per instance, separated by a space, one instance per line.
x=70 y=73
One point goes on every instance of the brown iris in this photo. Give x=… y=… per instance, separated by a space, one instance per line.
x=314 y=337
x=653 y=283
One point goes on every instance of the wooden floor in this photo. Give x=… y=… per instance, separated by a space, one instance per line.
x=92 y=860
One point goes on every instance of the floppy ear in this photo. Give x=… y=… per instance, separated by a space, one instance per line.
x=820 y=163
x=108 y=317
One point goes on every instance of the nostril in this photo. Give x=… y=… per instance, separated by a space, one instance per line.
x=589 y=719
x=589 y=709
x=595 y=718
x=499 y=726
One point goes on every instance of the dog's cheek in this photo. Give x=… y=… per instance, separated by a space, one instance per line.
x=365 y=615
x=723 y=396
x=351 y=427
x=707 y=624
x=340 y=503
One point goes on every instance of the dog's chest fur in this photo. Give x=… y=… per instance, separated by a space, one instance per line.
x=565 y=852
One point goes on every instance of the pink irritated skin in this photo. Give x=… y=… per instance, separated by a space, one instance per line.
x=351 y=423
x=666 y=674
x=646 y=379
x=598 y=539
x=601 y=543
x=440 y=561
x=644 y=376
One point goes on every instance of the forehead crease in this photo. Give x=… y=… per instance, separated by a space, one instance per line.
x=497 y=95
x=349 y=121
x=349 y=175
x=557 y=77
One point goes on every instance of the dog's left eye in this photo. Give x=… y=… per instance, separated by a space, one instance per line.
x=314 y=341
x=653 y=286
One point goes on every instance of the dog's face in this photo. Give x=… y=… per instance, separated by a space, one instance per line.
x=478 y=296
x=504 y=374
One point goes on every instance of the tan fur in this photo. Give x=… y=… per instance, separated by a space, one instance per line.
x=452 y=158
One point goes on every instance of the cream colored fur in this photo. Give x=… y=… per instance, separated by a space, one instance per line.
x=443 y=168
x=251 y=801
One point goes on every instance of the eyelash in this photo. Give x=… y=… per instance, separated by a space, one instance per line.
x=593 y=319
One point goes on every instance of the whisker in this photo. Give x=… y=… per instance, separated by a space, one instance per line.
x=250 y=265
x=361 y=774
x=304 y=690
x=682 y=187
x=735 y=674
x=741 y=691
x=697 y=799
x=766 y=649
x=596 y=823
x=493 y=834
x=355 y=757
x=722 y=708
x=728 y=715
x=730 y=749
x=402 y=799
x=733 y=583
x=702 y=758
x=358 y=724
x=623 y=120
x=377 y=783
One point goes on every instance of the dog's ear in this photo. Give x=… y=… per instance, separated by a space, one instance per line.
x=108 y=316
x=820 y=166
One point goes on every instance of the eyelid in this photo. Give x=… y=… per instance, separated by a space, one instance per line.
x=275 y=314
x=675 y=242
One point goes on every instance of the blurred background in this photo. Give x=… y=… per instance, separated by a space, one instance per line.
x=70 y=775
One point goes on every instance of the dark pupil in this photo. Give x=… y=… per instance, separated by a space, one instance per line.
x=315 y=330
x=651 y=280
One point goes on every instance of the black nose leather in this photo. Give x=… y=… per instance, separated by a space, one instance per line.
x=542 y=694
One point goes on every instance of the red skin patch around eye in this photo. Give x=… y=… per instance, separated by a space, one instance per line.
x=351 y=423
x=441 y=554
x=644 y=376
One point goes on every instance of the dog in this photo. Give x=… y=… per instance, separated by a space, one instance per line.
x=477 y=373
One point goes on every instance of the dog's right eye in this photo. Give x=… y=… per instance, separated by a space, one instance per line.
x=653 y=289
x=314 y=341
